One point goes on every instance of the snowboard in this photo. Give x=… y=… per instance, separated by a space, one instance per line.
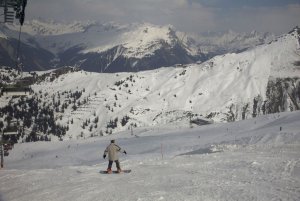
x=115 y=172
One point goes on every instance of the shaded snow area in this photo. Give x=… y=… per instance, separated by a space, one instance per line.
x=255 y=159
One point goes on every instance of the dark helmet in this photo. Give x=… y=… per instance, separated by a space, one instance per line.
x=112 y=141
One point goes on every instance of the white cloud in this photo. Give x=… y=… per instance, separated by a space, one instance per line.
x=272 y=19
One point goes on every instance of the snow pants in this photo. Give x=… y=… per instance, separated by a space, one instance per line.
x=117 y=164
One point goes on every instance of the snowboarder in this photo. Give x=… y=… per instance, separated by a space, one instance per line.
x=113 y=155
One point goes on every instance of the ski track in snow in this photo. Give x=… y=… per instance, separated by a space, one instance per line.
x=245 y=160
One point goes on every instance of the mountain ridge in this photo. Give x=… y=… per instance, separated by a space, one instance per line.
x=94 y=46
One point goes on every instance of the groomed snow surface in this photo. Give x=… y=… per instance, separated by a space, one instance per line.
x=257 y=159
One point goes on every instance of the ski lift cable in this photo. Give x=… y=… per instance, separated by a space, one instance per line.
x=18 y=60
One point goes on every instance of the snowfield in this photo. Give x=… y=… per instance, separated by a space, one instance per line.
x=257 y=159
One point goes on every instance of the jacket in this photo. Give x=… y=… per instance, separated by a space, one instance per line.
x=113 y=152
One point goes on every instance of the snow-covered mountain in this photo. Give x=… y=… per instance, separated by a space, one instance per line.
x=51 y=27
x=112 y=47
x=254 y=159
x=229 y=42
x=230 y=87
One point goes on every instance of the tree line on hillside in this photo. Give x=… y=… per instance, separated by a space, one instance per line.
x=31 y=115
x=37 y=116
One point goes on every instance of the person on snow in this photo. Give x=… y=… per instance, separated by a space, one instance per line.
x=113 y=155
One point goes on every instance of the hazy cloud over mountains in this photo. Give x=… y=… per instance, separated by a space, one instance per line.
x=276 y=16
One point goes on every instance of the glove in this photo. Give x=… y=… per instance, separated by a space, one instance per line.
x=124 y=152
x=104 y=156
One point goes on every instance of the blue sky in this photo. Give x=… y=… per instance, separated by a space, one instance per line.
x=277 y=16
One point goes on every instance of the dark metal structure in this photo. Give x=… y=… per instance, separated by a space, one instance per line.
x=13 y=9
x=9 y=11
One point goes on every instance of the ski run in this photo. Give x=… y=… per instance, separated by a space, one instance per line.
x=256 y=159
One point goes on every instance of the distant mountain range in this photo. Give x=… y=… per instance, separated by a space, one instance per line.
x=111 y=47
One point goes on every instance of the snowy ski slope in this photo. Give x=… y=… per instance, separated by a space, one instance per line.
x=255 y=159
